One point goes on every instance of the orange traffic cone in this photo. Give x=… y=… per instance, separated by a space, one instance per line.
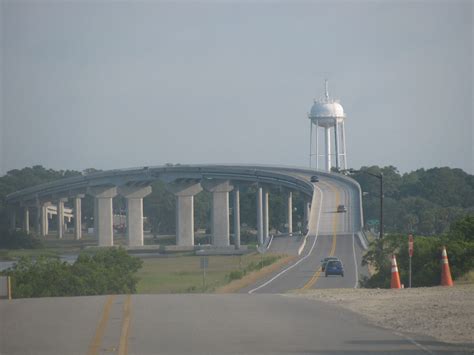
x=446 y=279
x=395 y=283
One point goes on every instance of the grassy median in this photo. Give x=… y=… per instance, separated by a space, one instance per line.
x=184 y=275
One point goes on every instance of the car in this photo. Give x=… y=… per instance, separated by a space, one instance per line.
x=325 y=261
x=341 y=208
x=334 y=267
x=314 y=178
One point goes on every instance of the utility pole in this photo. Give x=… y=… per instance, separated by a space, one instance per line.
x=380 y=177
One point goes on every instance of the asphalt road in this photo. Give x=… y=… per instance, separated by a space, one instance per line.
x=335 y=237
x=195 y=324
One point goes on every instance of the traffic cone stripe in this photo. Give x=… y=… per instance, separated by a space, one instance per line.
x=446 y=279
x=395 y=282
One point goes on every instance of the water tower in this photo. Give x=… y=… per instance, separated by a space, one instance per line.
x=328 y=114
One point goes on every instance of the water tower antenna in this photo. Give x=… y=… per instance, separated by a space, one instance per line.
x=326 y=89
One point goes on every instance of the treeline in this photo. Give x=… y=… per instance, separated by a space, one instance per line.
x=108 y=271
x=423 y=202
x=426 y=267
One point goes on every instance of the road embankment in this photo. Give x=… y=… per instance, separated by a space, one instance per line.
x=444 y=313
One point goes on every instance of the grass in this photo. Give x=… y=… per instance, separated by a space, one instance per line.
x=184 y=275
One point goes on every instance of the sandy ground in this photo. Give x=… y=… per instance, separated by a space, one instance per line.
x=444 y=313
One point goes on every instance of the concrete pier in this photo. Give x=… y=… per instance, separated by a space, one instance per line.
x=134 y=197
x=236 y=211
x=44 y=219
x=26 y=220
x=184 y=192
x=290 y=213
x=104 y=222
x=266 y=222
x=259 y=216
x=60 y=211
x=220 y=210
x=78 y=216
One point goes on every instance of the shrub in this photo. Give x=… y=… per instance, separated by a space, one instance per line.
x=109 y=271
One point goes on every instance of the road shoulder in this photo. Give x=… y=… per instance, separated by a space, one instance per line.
x=443 y=313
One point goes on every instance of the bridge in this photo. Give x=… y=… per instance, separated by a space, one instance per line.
x=185 y=181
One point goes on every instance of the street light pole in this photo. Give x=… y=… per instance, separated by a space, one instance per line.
x=380 y=177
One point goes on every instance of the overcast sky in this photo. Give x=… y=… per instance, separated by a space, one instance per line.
x=121 y=84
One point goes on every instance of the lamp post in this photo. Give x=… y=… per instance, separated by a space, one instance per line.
x=380 y=177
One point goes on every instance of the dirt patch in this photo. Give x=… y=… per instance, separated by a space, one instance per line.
x=445 y=313
x=253 y=277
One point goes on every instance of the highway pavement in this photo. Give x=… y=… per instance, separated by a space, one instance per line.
x=196 y=324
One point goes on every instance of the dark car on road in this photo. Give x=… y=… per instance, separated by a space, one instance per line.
x=334 y=267
x=341 y=208
x=325 y=261
x=314 y=178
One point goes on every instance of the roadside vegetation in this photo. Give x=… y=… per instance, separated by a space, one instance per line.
x=422 y=202
x=107 y=271
x=426 y=268
x=184 y=274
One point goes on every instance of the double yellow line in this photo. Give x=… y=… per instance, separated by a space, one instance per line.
x=316 y=275
x=100 y=330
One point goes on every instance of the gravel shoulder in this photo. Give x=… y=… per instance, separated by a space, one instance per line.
x=444 y=313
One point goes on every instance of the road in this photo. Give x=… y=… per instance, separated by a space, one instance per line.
x=194 y=324
x=334 y=235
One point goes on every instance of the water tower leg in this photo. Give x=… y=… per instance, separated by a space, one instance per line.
x=328 y=149
x=336 y=144
x=344 y=145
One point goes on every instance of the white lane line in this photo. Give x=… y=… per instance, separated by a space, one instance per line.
x=303 y=258
x=355 y=262
x=413 y=341
x=271 y=240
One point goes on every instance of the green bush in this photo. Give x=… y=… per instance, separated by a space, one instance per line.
x=18 y=240
x=236 y=275
x=109 y=271
x=426 y=268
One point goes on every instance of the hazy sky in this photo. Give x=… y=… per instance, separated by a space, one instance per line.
x=110 y=84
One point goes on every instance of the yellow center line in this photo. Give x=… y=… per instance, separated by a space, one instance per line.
x=316 y=275
x=123 y=345
x=99 y=332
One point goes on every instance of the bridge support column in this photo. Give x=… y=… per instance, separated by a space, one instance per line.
x=26 y=220
x=44 y=219
x=78 y=216
x=265 y=215
x=290 y=213
x=104 y=222
x=60 y=211
x=236 y=211
x=220 y=210
x=259 y=216
x=134 y=197
x=184 y=192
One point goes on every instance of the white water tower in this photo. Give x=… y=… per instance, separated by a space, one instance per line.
x=328 y=114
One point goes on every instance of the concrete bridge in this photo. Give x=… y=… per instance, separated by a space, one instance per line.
x=185 y=181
